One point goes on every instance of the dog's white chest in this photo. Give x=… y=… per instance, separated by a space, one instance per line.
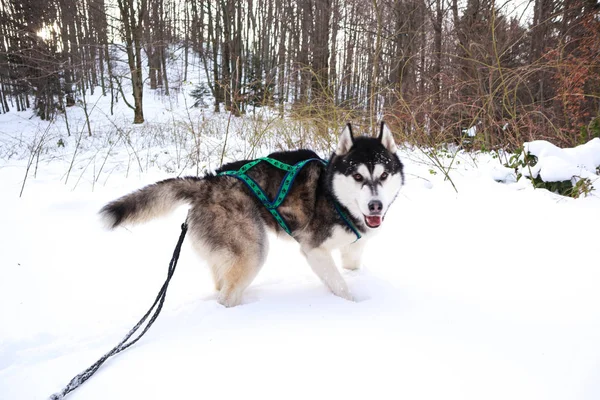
x=340 y=237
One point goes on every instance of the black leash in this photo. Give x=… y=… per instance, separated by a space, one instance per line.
x=158 y=303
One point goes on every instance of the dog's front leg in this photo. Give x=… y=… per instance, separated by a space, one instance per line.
x=322 y=264
x=352 y=255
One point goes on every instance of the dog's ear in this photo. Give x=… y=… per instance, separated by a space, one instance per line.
x=386 y=138
x=346 y=141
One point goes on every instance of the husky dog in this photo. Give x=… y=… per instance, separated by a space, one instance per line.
x=328 y=206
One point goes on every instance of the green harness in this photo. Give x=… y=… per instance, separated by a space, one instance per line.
x=284 y=188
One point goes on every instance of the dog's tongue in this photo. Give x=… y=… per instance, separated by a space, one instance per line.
x=373 y=221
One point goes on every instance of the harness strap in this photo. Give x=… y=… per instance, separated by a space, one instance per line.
x=251 y=183
x=284 y=188
x=347 y=221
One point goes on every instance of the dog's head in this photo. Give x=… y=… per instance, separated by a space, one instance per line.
x=366 y=174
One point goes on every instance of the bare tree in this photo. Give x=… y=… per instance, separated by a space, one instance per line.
x=132 y=15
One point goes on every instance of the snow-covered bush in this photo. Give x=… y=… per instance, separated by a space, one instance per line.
x=570 y=171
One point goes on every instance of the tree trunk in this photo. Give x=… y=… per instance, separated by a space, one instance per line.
x=132 y=27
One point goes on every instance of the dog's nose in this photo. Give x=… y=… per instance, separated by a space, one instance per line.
x=375 y=206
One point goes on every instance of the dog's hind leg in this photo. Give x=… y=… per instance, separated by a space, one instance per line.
x=237 y=262
x=321 y=262
x=235 y=276
x=234 y=264
x=228 y=232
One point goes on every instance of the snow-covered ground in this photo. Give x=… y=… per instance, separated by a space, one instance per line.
x=489 y=293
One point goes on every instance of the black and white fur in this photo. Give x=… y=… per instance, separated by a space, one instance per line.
x=228 y=225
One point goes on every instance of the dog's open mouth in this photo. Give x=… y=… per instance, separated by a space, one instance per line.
x=373 y=221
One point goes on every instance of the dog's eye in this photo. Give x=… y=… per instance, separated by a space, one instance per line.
x=358 y=177
x=383 y=176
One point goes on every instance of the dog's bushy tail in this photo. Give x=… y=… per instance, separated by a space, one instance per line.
x=149 y=202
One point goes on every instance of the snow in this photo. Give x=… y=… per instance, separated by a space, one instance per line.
x=472 y=131
x=556 y=164
x=488 y=293
x=500 y=173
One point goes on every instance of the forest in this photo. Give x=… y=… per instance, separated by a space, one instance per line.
x=434 y=69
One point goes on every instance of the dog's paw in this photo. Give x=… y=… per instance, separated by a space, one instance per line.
x=228 y=299
x=346 y=295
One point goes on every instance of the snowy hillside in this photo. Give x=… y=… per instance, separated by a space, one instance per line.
x=488 y=293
